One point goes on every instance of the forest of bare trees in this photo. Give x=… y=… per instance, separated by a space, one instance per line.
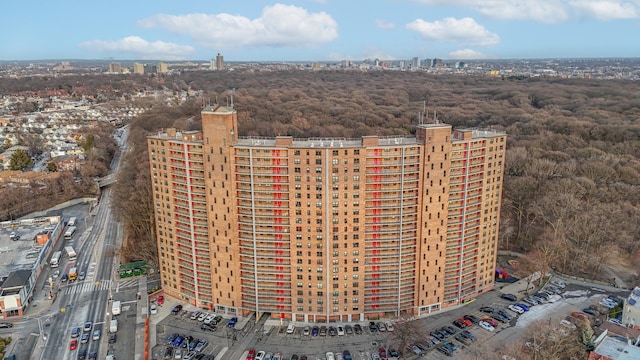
x=572 y=177
x=571 y=187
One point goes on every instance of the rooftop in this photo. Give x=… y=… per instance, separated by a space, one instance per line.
x=25 y=251
x=617 y=349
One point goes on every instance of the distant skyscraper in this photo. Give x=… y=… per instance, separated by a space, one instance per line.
x=415 y=63
x=138 y=68
x=150 y=69
x=162 y=68
x=219 y=62
x=115 y=68
x=435 y=62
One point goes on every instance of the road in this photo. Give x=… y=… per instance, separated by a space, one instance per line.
x=87 y=300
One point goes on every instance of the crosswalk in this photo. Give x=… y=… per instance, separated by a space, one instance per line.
x=123 y=284
x=87 y=286
x=90 y=286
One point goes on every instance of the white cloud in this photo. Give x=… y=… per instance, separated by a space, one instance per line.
x=141 y=48
x=462 y=31
x=467 y=54
x=547 y=11
x=278 y=26
x=385 y=25
x=606 y=9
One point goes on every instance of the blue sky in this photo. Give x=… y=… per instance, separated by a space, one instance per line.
x=318 y=30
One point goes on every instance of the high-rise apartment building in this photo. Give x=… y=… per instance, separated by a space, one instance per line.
x=115 y=68
x=326 y=229
x=138 y=68
x=218 y=64
x=162 y=68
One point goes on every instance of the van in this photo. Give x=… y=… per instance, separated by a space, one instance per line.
x=291 y=328
x=113 y=326
x=115 y=308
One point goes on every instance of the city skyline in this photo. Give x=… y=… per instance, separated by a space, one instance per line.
x=322 y=30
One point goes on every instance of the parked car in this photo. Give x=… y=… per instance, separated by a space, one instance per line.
x=347 y=355
x=202 y=344
x=499 y=317
x=522 y=306
x=590 y=311
x=348 y=329
x=340 y=330
x=449 y=345
x=491 y=321
x=509 y=297
x=487 y=309
x=315 y=330
x=389 y=326
x=559 y=283
x=485 y=325
x=194 y=315
x=616 y=321
x=306 y=331
x=153 y=309
x=323 y=330
x=168 y=352
x=445 y=350
x=232 y=322
x=176 y=309
x=357 y=328
x=207 y=327
x=530 y=301
x=251 y=354
x=373 y=327
x=553 y=289
x=469 y=335
x=332 y=331
x=177 y=354
x=516 y=309
x=171 y=338
x=459 y=324
x=462 y=339
x=505 y=314
x=381 y=326
x=260 y=355
x=471 y=318
x=112 y=338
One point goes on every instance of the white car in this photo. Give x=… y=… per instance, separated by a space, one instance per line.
x=209 y=318
x=340 y=331
x=389 y=325
x=330 y=356
x=260 y=355
x=486 y=326
x=202 y=316
x=516 y=309
x=291 y=328
x=615 y=321
x=154 y=309
x=177 y=354
x=56 y=274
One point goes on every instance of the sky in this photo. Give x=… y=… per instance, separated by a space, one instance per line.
x=319 y=30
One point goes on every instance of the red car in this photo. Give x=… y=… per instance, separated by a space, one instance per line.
x=491 y=321
x=160 y=299
x=383 y=353
x=466 y=322
x=252 y=354
x=73 y=345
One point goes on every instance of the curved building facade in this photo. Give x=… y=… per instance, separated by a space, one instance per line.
x=321 y=230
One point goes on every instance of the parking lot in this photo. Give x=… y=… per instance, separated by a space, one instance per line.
x=272 y=337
